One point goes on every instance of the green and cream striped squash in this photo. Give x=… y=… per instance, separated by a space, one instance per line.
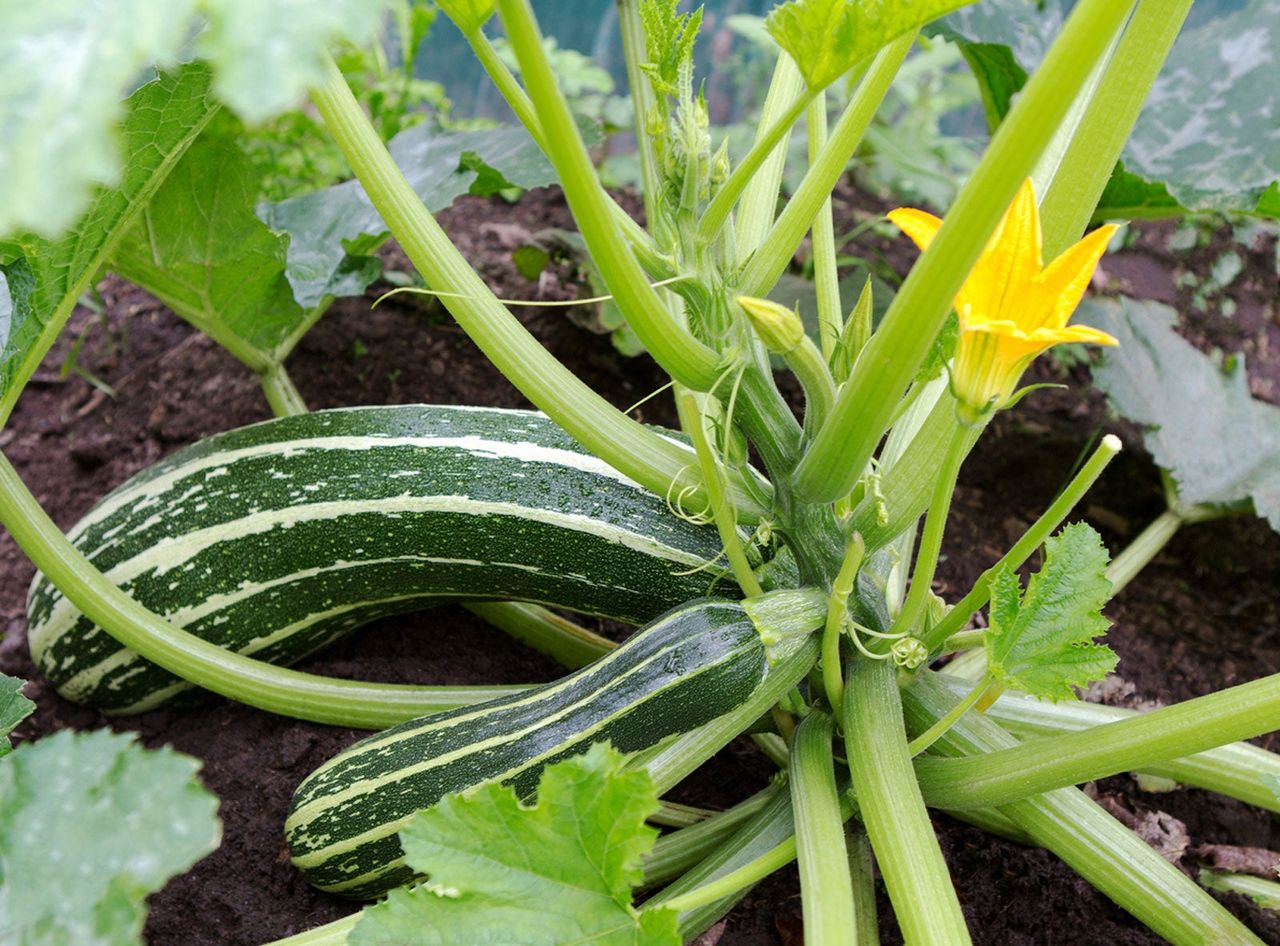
x=687 y=668
x=278 y=538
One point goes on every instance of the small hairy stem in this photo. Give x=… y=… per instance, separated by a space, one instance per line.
x=1038 y=765
x=271 y=688
x=642 y=102
x=837 y=616
x=893 y=811
x=1105 y=853
x=672 y=346
x=840 y=454
x=773 y=253
x=692 y=421
x=281 y=394
x=1030 y=540
x=810 y=368
x=826 y=889
x=943 y=723
x=605 y=431
x=545 y=631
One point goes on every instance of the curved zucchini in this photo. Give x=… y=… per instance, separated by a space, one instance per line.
x=278 y=538
x=688 y=667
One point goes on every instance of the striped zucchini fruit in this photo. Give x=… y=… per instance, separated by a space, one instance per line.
x=685 y=669
x=277 y=539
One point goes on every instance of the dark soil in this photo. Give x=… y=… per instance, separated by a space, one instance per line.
x=1204 y=615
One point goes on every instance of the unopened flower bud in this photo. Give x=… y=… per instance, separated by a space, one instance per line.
x=778 y=327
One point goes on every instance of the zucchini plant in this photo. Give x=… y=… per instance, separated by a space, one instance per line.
x=772 y=558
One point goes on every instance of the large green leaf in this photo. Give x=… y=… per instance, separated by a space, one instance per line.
x=14 y=708
x=1219 y=443
x=65 y=66
x=826 y=38
x=44 y=278
x=556 y=873
x=1208 y=137
x=1042 y=641
x=90 y=823
x=334 y=231
x=201 y=249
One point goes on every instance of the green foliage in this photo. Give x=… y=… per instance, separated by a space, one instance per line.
x=334 y=232
x=200 y=248
x=44 y=278
x=1197 y=144
x=588 y=88
x=14 y=708
x=827 y=37
x=1220 y=444
x=58 y=127
x=1041 y=641
x=559 y=872
x=90 y=823
x=669 y=39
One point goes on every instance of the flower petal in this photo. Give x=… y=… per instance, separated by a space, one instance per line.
x=917 y=224
x=1075 y=333
x=1064 y=280
x=1011 y=260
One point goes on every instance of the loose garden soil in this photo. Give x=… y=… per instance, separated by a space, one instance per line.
x=1203 y=616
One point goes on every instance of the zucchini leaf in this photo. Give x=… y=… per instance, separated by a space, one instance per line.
x=559 y=872
x=200 y=249
x=1041 y=641
x=90 y=823
x=334 y=232
x=1199 y=143
x=826 y=38
x=1219 y=443
x=41 y=279
x=66 y=66
x=14 y=708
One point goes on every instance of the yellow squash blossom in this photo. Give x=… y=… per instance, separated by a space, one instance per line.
x=1012 y=307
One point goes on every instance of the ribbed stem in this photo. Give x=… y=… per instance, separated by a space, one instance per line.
x=281 y=394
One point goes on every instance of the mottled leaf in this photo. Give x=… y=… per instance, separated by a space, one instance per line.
x=90 y=823
x=334 y=231
x=66 y=65
x=42 y=279
x=1219 y=443
x=199 y=247
x=1208 y=137
x=827 y=37
x=1041 y=641
x=14 y=708
x=559 y=872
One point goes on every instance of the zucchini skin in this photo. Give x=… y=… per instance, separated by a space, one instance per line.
x=683 y=670
x=281 y=537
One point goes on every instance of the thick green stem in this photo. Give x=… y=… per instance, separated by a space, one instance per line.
x=810 y=368
x=1105 y=853
x=826 y=889
x=635 y=54
x=1239 y=770
x=935 y=732
x=679 y=851
x=893 y=811
x=729 y=884
x=775 y=251
x=606 y=432
x=717 y=212
x=1038 y=765
x=1031 y=540
x=271 y=688
x=283 y=397
x=862 y=876
x=1138 y=554
x=672 y=346
x=1109 y=118
x=840 y=454
x=760 y=199
x=826 y=279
